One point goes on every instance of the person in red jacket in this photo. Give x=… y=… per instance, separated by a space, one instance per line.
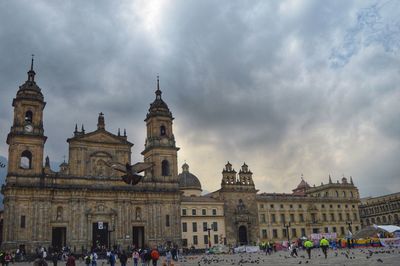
x=71 y=260
x=154 y=256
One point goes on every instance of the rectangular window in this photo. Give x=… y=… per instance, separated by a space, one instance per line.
x=274 y=233
x=215 y=226
x=332 y=217
x=204 y=226
x=291 y=206
x=215 y=239
x=262 y=218
x=294 y=232
x=184 y=242
x=299 y=206
x=281 y=206
x=261 y=206
x=355 y=216
x=264 y=233
x=356 y=228
x=342 y=230
x=313 y=218
x=194 y=227
x=167 y=220
x=273 y=218
x=284 y=232
x=214 y=212
x=340 y=217
x=203 y=212
x=348 y=216
x=193 y=211
x=22 y=221
x=334 y=229
x=272 y=206
x=303 y=232
x=283 y=218
x=184 y=212
x=326 y=230
x=292 y=218
x=324 y=217
x=184 y=227
x=301 y=217
x=206 y=239
x=195 y=240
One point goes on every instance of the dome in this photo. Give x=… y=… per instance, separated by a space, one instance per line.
x=188 y=180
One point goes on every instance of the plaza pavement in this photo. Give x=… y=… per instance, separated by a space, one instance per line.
x=364 y=256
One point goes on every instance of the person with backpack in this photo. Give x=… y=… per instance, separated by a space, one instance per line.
x=155 y=255
x=7 y=258
x=87 y=260
x=112 y=258
x=71 y=260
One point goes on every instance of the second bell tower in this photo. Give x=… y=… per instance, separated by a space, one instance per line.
x=160 y=148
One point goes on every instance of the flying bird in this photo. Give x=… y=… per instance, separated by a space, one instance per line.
x=131 y=172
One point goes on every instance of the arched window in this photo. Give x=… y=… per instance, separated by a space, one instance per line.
x=138 y=214
x=344 y=194
x=337 y=194
x=351 y=194
x=384 y=219
x=378 y=220
x=162 y=131
x=59 y=213
x=26 y=160
x=28 y=116
x=367 y=220
x=165 y=168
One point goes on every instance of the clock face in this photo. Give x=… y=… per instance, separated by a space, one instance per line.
x=28 y=128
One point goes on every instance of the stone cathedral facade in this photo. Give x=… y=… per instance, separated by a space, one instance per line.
x=86 y=204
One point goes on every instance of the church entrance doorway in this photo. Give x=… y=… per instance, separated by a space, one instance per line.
x=242 y=235
x=100 y=235
x=138 y=236
x=58 y=237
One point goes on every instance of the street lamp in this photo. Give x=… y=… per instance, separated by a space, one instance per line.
x=109 y=235
x=287 y=226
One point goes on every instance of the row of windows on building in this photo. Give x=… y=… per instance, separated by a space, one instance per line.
x=195 y=240
x=336 y=194
x=383 y=219
x=203 y=212
x=300 y=206
x=294 y=232
x=380 y=209
x=213 y=226
x=314 y=218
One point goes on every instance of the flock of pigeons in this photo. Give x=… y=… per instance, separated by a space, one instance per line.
x=374 y=256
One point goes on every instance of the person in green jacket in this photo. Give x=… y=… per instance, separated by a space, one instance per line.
x=324 y=244
x=308 y=245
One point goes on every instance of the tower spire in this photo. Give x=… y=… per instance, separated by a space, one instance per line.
x=158 y=91
x=31 y=72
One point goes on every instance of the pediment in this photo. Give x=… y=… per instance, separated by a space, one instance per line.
x=101 y=136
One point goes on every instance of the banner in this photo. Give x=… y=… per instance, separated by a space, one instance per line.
x=326 y=235
x=247 y=249
x=390 y=242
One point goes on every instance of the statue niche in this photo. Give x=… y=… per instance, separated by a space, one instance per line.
x=99 y=162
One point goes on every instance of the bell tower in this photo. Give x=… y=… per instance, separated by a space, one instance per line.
x=26 y=138
x=160 y=148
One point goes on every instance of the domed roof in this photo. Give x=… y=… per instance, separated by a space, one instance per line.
x=188 y=180
x=158 y=107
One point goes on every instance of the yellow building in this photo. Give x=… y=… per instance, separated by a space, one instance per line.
x=380 y=210
x=202 y=217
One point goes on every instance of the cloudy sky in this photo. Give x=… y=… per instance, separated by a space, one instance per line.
x=289 y=87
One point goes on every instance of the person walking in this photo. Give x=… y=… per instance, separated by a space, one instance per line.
x=168 y=257
x=71 y=260
x=123 y=258
x=135 y=257
x=112 y=258
x=324 y=245
x=155 y=255
x=94 y=257
x=308 y=245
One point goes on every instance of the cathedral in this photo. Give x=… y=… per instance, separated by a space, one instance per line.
x=87 y=204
